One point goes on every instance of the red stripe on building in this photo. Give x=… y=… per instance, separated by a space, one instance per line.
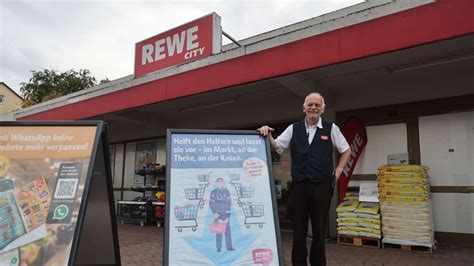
x=443 y=19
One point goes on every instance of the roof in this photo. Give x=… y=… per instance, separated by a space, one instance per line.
x=366 y=29
x=4 y=84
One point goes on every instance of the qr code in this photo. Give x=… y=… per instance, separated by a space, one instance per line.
x=66 y=188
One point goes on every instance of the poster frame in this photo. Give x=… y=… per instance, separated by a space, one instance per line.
x=169 y=133
x=99 y=138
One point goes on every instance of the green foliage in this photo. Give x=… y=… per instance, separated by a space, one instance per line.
x=48 y=84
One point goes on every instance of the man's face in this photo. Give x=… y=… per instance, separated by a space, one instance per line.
x=313 y=106
x=220 y=183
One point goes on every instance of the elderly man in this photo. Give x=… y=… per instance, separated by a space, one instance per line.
x=311 y=141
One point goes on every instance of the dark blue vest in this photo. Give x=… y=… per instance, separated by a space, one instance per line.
x=313 y=161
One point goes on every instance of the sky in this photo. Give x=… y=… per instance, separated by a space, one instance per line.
x=100 y=35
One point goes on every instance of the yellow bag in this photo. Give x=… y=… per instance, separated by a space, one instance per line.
x=408 y=205
x=346 y=214
x=347 y=206
x=367 y=220
x=402 y=180
x=405 y=222
x=425 y=216
x=389 y=174
x=390 y=209
x=400 y=192
x=368 y=207
x=411 y=187
x=404 y=233
x=368 y=223
x=342 y=231
x=346 y=222
x=404 y=168
x=352 y=194
x=384 y=198
x=410 y=238
x=368 y=215
x=361 y=229
x=358 y=231
x=351 y=198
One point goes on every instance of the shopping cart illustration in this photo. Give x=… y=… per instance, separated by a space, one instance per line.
x=243 y=192
x=253 y=210
x=186 y=216
x=204 y=179
x=234 y=177
x=196 y=194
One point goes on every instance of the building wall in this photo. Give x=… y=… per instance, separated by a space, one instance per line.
x=447 y=147
x=441 y=138
x=11 y=101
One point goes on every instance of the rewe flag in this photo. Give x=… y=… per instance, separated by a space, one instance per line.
x=356 y=135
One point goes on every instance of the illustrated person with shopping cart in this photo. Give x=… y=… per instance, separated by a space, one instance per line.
x=220 y=204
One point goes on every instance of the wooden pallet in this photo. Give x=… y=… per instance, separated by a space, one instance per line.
x=420 y=249
x=359 y=241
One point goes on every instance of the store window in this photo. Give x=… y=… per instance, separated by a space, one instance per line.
x=138 y=155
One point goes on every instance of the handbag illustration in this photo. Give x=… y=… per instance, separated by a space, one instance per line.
x=218 y=228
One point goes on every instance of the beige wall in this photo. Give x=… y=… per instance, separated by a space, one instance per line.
x=11 y=101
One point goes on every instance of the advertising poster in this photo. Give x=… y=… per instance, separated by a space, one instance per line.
x=144 y=154
x=221 y=200
x=42 y=177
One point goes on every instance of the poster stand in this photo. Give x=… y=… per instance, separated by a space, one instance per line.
x=72 y=160
x=221 y=199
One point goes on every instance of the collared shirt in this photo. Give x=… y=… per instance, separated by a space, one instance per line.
x=338 y=140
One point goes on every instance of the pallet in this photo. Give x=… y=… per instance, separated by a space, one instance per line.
x=358 y=241
x=411 y=248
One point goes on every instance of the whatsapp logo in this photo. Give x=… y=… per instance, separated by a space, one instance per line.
x=60 y=212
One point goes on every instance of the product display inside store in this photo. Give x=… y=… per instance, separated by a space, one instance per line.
x=150 y=207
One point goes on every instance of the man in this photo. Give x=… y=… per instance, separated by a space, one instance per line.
x=219 y=203
x=312 y=141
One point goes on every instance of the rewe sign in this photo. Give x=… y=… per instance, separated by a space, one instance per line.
x=188 y=42
x=356 y=135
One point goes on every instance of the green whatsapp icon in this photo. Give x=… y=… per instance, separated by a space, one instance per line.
x=60 y=212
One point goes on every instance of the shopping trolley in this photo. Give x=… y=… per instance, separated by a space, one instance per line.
x=243 y=192
x=204 y=178
x=196 y=194
x=252 y=210
x=186 y=215
x=234 y=177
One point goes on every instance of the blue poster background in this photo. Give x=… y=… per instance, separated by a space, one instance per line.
x=203 y=169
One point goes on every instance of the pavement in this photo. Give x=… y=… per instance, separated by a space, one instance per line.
x=144 y=246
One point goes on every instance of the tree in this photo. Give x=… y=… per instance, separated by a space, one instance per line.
x=48 y=84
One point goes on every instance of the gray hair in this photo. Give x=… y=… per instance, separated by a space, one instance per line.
x=317 y=93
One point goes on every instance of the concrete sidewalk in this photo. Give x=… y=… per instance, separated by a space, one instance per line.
x=144 y=246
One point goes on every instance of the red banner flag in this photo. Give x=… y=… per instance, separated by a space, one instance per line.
x=356 y=135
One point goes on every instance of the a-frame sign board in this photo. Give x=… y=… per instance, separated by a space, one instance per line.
x=56 y=198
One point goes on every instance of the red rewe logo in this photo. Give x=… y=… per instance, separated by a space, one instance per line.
x=262 y=256
x=191 y=41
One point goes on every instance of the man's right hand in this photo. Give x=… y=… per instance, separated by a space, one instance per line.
x=266 y=130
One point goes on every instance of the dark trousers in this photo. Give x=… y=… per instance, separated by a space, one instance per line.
x=228 y=237
x=309 y=199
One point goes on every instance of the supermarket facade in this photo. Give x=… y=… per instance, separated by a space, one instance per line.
x=405 y=68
